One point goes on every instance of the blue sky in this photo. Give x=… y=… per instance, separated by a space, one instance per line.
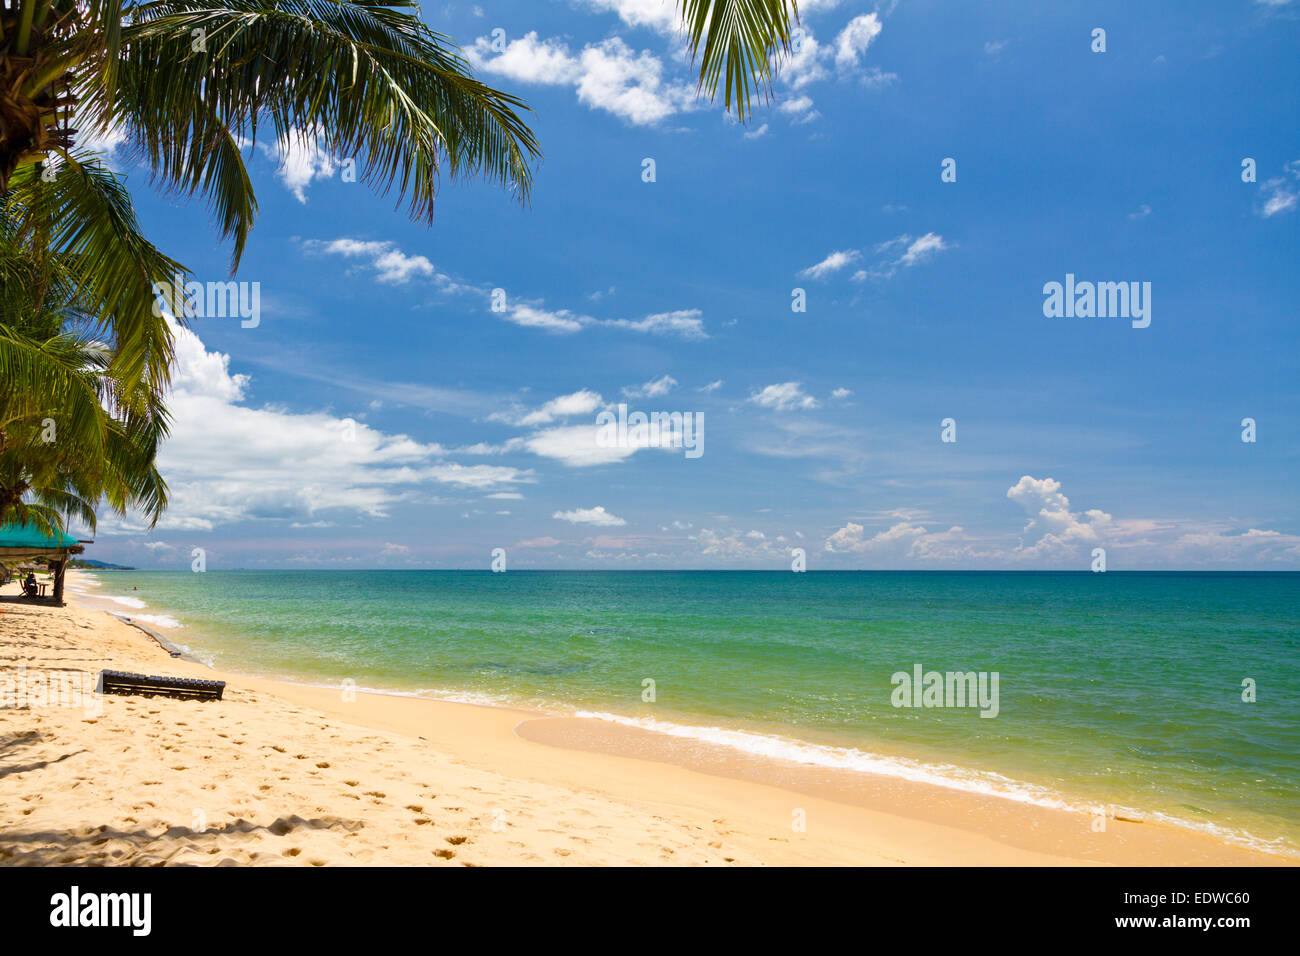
x=381 y=414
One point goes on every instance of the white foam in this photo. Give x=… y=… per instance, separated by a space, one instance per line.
x=121 y=599
x=159 y=620
x=847 y=758
x=942 y=775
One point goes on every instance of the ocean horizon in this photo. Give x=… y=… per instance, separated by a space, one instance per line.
x=1118 y=692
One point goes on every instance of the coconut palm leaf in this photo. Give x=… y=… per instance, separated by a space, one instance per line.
x=84 y=218
x=735 y=42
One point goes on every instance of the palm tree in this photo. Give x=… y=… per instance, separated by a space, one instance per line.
x=66 y=442
x=72 y=433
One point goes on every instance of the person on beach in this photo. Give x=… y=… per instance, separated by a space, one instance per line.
x=29 y=586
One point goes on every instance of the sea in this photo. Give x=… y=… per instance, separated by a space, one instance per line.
x=1163 y=695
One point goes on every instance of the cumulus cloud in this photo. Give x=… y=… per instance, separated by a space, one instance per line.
x=902 y=252
x=1058 y=535
x=1281 y=193
x=830 y=265
x=609 y=75
x=300 y=159
x=1056 y=527
x=653 y=388
x=684 y=323
x=922 y=249
x=737 y=546
x=854 y=39
x=799 y=109
x=597 y=516
x=227 y=461
x=577 y=446
x=853 y=537
x=784 y=397
x=391 y=265
x=582 y=402
x=810 y=62
x=561 y=320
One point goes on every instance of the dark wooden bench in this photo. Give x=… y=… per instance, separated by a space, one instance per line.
x=189 y=688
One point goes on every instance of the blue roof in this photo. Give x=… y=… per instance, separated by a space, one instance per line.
x=30 y=537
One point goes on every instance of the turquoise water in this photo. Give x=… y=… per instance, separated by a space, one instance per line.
x=1122 y=689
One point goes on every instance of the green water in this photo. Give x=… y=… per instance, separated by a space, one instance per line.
x=1120 y=688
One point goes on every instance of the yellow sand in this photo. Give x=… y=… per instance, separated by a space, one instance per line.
x=280 y=773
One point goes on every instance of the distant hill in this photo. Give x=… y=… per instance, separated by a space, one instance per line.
x=97 y=565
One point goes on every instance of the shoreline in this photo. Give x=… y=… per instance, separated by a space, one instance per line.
x=643 y=781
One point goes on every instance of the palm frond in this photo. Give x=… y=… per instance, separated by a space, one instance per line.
x=738 y=40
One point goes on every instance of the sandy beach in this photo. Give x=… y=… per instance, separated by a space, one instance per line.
x=286 y=774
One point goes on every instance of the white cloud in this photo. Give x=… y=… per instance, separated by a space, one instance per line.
x=799 y=109
x=652 y=389
x=852 y=537
x=831 y=264
x=597 y=516
x=736 y=546
x=854 y=39
x=228 y=462
x=804 y=65
x=300 y=160
x=809 y=63
x=582 y=402
x=1058 y=529
x=711 y=387
x=561 y=320
x=784 y=397
x=576 y=446
x=841 y=393
x=659 y=15
x=685 y=323
x=994 y=47
x=391 y=265
x=915 y=252
x=922 y=249
x=527 y=60
x=1280 y=194
x=756 y=133
x=609 y=75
